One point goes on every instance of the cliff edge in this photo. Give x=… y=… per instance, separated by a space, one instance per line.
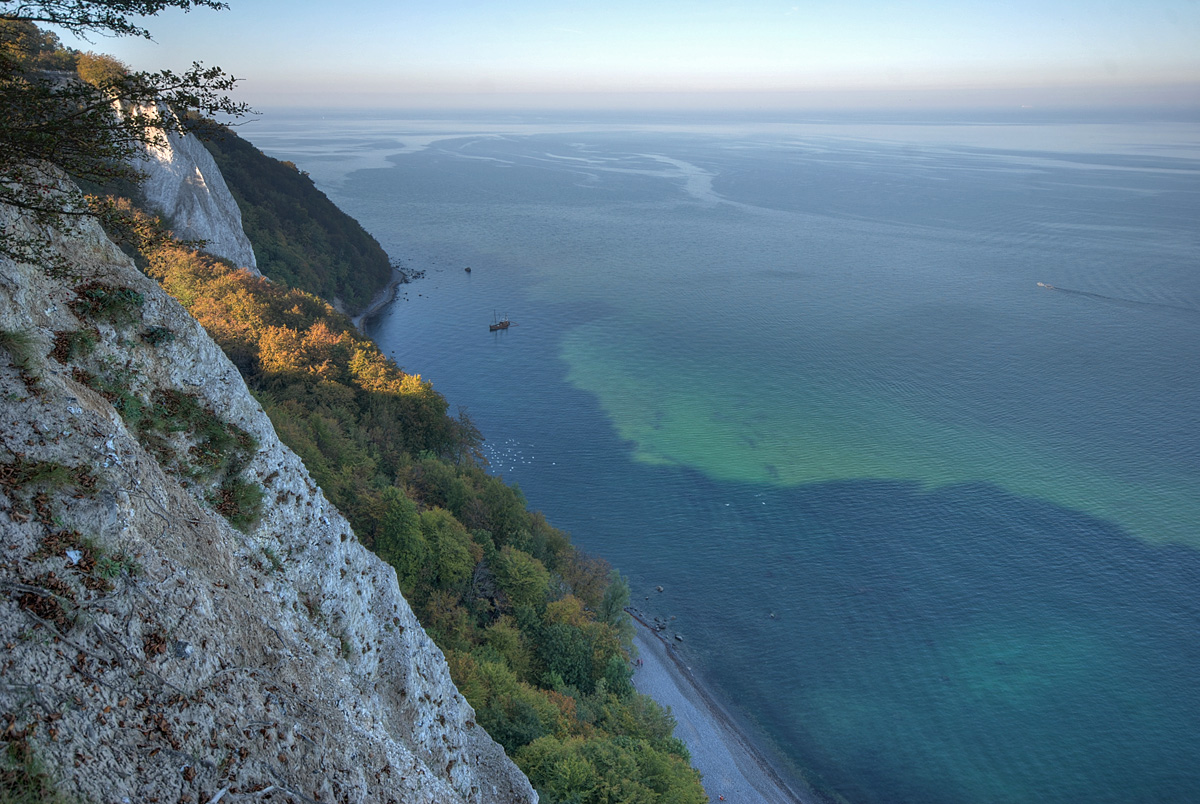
x=153 y=651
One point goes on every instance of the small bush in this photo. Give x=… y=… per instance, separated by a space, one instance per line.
x=109 y=567
x=19 y=345
x=117 y=305
x=115 y=386
x=100 y=70
x=220 y=447
x=157 y=336
x=23 y=779
x=34 y=473
x=22 y=473
x=239 y=502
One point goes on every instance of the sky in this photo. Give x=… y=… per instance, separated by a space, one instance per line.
x=686 y=53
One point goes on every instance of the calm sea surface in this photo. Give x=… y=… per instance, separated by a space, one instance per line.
x=933 y=530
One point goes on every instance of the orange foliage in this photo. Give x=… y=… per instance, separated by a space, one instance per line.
x=272 y=328
x=566 y=705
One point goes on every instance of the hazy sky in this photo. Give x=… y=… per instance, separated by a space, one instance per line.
x=701 y=52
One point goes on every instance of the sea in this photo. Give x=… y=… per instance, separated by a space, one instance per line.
x=900 y=410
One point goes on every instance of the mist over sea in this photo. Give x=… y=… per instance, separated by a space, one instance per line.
x=903 y=414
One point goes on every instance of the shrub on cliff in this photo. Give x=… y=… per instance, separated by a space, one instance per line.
x=99 y=70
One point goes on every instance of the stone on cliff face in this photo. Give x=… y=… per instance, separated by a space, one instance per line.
x=185 y=185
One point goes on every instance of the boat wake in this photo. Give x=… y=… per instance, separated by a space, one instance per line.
x=1121 y=300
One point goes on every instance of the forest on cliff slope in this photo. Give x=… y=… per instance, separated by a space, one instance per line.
x=300 y=237
x=534 y=630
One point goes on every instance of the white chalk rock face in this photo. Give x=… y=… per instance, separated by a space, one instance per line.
x=185 y=185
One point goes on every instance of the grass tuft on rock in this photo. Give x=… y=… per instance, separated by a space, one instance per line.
x=19 y=345
x=115 y=304
x=23 y=778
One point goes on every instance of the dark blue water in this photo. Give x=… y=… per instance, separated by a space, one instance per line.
x=931 y=528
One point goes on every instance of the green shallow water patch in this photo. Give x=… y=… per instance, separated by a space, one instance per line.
x=748 y=424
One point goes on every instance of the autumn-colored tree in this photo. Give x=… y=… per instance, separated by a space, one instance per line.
x=101 y=71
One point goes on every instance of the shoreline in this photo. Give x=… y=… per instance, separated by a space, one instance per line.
x=385 y=296
x=730 y=764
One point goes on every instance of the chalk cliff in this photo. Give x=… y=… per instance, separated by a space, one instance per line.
x=184 y=184
x=153 y=652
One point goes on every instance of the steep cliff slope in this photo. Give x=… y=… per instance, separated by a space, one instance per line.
x=153 y=652
x=300 y=236
x=184 y=184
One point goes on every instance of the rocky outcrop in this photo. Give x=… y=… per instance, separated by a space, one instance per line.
x=184 y=184
x=153 y=652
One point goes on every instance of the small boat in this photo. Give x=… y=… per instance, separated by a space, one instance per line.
x=501 y=323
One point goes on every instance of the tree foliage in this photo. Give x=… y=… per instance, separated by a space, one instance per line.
x=99 y=70
x=89 y=126
x=105 y=17
x=399 y=540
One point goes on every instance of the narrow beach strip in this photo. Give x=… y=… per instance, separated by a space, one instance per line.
x=733 y=770
x=385 y=296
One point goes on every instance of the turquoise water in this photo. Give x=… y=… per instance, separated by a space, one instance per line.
x=933 y=530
